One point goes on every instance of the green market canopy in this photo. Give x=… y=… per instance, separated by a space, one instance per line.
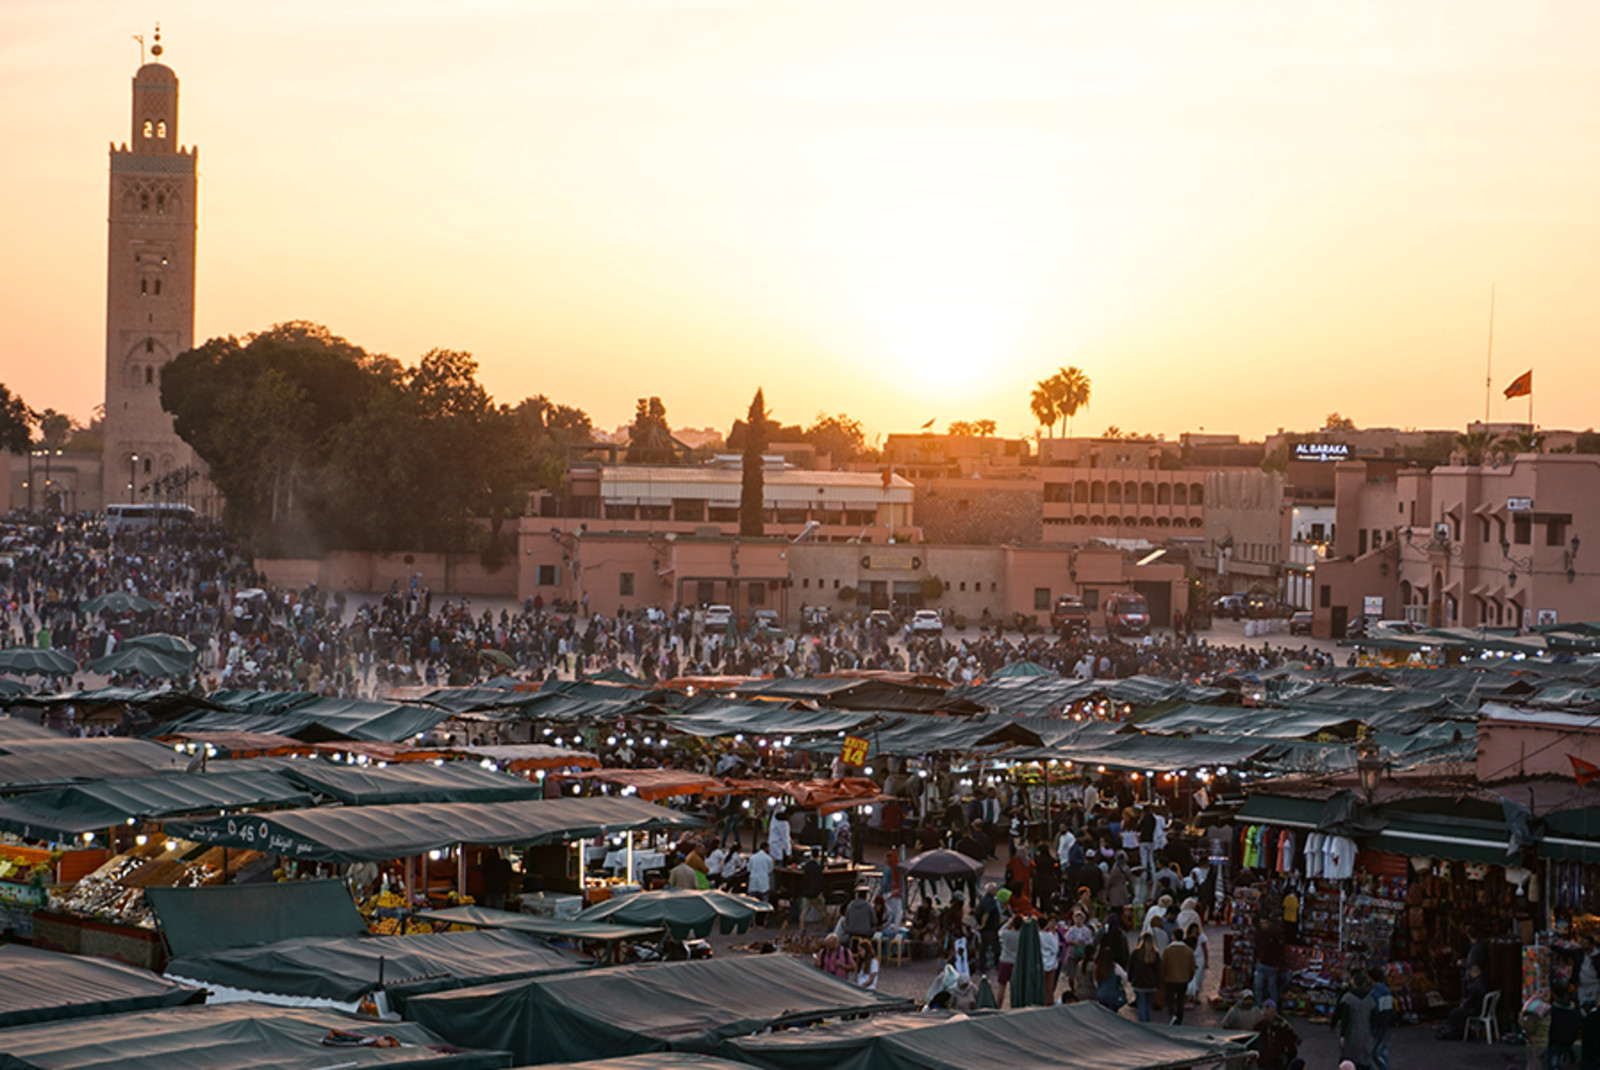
x=536 y=925
x=410 y=782
x=30 y=764
x=628 y=1010
x=235 y=1035
x=1078 y=1036
x=197 y=920
x=341 y=970
x=381 y=833
x=67 y=811
x=683 y=911
x=43 y=986
x=314 y=720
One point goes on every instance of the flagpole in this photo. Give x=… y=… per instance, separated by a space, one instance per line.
x=1488 y=377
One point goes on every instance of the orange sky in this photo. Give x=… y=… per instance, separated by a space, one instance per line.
x=1232 y=215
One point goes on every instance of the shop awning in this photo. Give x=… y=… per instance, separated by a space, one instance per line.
x=229 y=1035
x=98 y=806
x=652 y=784
x=534 y=924
x=317 y=720
x=379 y=833
x=43 y=986
x=197 y=920
x=770 y=719
x=12 y=728
x=343 y=969
x=411 y=782
x=519 y=757
x=1572 y=835
x=32 y=764
x=1078 y=1036
x=627 y=1010
x=236 y=745
x=1283 y=810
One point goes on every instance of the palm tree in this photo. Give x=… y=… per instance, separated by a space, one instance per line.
x=1112 y=432
x=1523 y=440
x=1043 y=404
x=1475 y=444
x=1072 y=393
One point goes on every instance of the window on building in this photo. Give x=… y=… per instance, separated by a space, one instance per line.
x=805 y=583
x=144 y=202
x=1325 y=596
x=625 y=584
x=158 y=287
x=1041 y=598
x=147 y=466
x=149 y=376
x=1522 y=530
x=161 y=204
x=836 y=585
x=549 y=575
x=144 y=287
x=1555 y=532
x=161 y=129
x=149 y=128
x=963 y=585
x=149 y=345
x=1361 y=542
x=993 y=587
x=1091 y=598
x=758 y=594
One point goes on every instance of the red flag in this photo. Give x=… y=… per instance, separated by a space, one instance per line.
x=1584 y=771
x=1521 y=386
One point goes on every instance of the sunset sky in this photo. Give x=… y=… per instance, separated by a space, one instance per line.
x=1237 y=216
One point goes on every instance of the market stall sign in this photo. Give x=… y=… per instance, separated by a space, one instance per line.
x=854 y=751
x=23 y=894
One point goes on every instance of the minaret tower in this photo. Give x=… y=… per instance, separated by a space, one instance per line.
x=149 y=294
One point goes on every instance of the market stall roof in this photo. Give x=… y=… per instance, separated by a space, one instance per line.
x=245 y=700
x=1276 y=723
x=411 y=782
x=241 y=744
x=477 y=699
x=652 y=1060
x=826 y=795
x=18 y=728
x=343 y=969
x=523 y=756
x=626 y=1010
x=28 y=764
x=1078 y=1036
x=1159 y=754
x=198 y=920
x=914 y=695
x=536 y=925
x=380 y=833
x=234 y=1035
x=319 y=719
x=652 y=784
x=1039 y=696
x=763 y=718
x=44 y=986
x=101 y=804
x=913 y=735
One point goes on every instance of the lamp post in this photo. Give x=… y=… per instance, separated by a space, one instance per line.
x=1369 y=768
x=133 y=461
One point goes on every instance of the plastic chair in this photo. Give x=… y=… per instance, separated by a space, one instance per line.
x=1488 y=1021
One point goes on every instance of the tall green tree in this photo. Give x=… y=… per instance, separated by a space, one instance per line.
x=16 y=423
x=649 y=438
x=1042 y=402
x=1474 y=445
x=752 y=489
x=839 y=436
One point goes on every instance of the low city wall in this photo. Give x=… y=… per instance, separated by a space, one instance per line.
x=443 y=574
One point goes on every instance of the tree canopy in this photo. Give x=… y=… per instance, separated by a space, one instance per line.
x=316 y=444
x=972 y=428
x=650 y=440
x=1059 y=397
x=839 y=436
x=16 y=423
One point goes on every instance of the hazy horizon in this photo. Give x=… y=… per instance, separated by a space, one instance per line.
x=1236 y=217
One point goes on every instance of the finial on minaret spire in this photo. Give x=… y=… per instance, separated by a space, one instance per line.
x=156 y=49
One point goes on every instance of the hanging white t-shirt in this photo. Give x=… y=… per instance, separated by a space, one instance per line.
x=1313 y=855
x=1340 y=863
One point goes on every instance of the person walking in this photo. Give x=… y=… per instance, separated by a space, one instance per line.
x=1144 y=973
x=1352 y=1019
x=1177 y=970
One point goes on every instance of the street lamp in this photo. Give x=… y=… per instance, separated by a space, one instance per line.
x=1369 y=767
x=133 y=460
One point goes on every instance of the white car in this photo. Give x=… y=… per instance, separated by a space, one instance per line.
x=718 y=618
x=927 y=622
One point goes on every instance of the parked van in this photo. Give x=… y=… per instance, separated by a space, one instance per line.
x=1127 y=614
